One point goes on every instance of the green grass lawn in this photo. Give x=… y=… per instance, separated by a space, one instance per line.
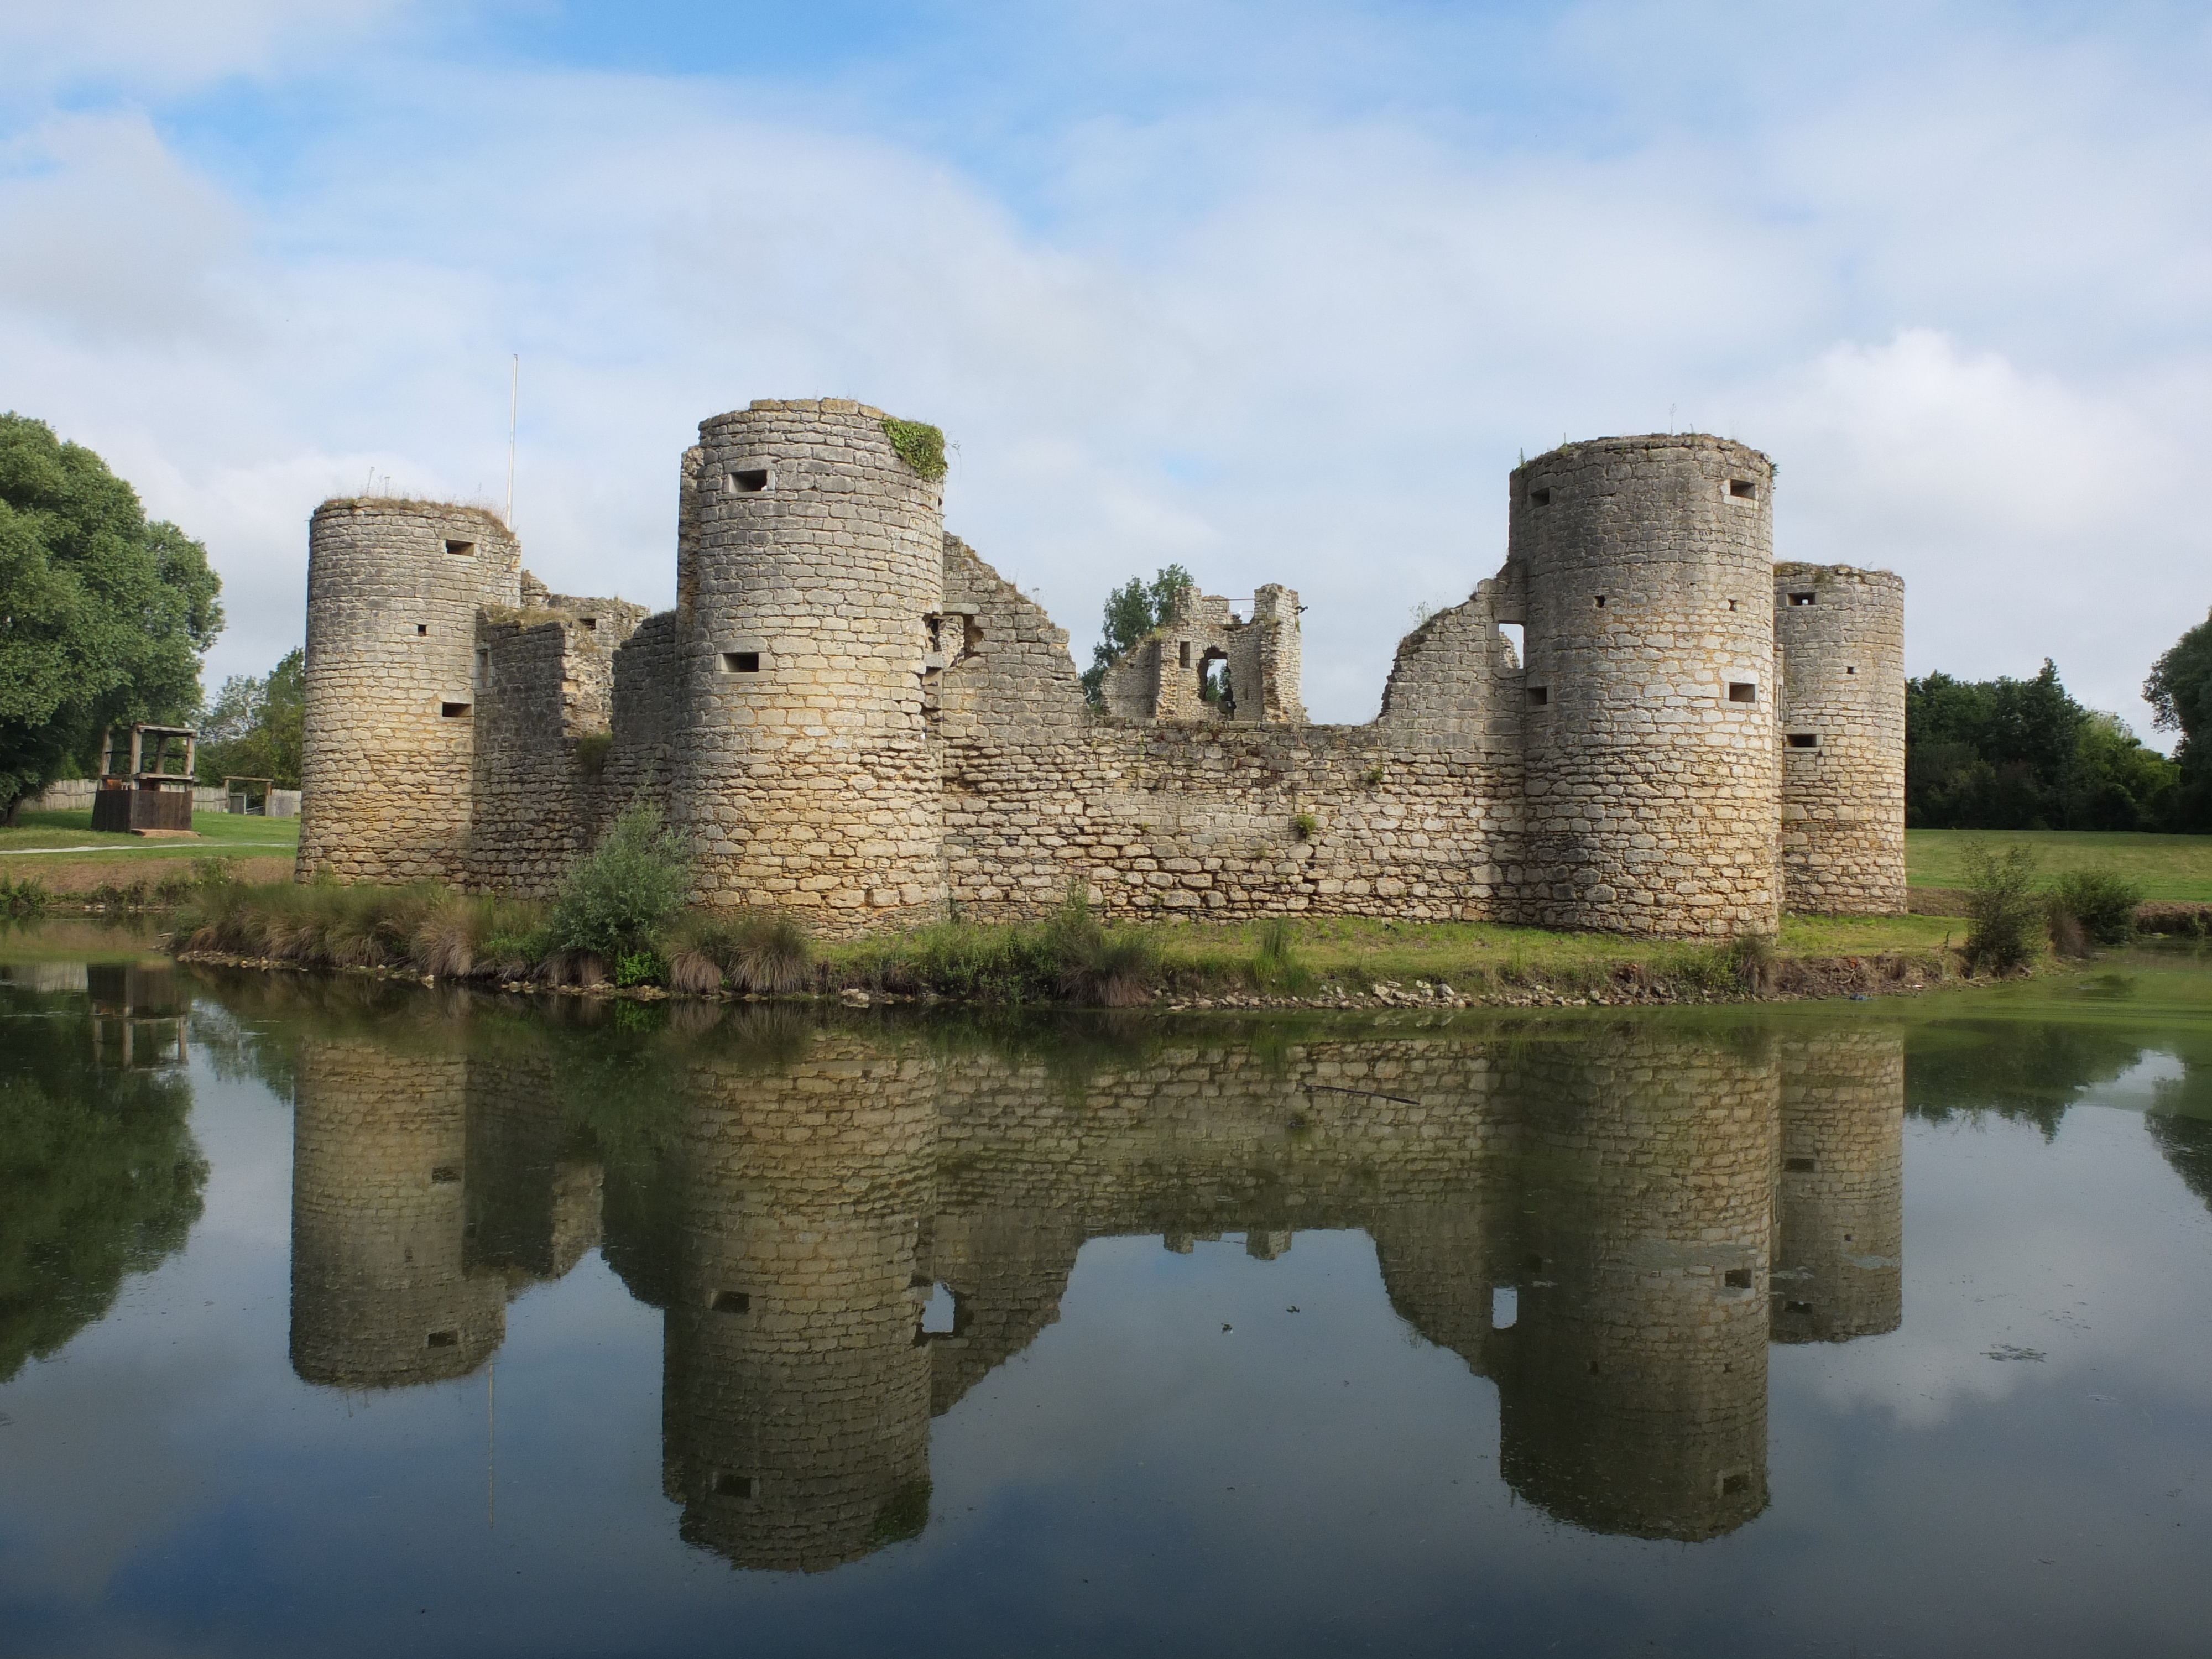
x=219 y=832
x=1448 y=950
x=2165 y=866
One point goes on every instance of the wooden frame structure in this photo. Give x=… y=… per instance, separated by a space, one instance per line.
x=143 y=793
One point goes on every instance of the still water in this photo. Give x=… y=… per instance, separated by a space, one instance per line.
x=340 y=1319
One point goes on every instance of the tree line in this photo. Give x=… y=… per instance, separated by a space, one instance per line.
x=2014 y=754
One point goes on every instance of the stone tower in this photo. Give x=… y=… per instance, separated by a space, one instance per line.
x=812 y=574
x=796 y=1392
x=1839 y=1256
x=1646 y=569
x=1632 y=1385
x=1840 y=634
x=381 y=1292
x=393 y=590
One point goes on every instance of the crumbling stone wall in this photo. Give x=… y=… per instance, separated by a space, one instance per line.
x=1164 y=676
x=1155 y=818
x=545 y=688
x=1840 y=636
x=852 y=716
x=394 y=588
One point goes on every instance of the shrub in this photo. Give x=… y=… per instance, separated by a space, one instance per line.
x=2103 y=905
x=640 y=968
x=620 y=894
x=2004 y=915
x=1305 y=826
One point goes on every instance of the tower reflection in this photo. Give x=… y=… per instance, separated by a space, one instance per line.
x=847 y=1233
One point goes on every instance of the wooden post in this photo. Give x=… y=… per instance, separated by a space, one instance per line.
x=137 y=742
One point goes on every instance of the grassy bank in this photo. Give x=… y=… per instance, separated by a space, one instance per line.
x=2165 y=867
x=59 y=854
x=1069 y=958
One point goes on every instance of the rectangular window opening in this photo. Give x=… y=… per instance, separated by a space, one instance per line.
x=1504 y=1307
x=1804 y=598
x=1743 y=489
x=444 y=1175
x=1539 y=696
x=442 y=1340
x=1184 y=661
x=462 y=549
x=1800 y=1165
x=1804 y=740
x=1737 y=1279
x=1850 y=671
x=741 y=662
x=727 y=1485
x=749 y=481
x=420 y=629
x=731 y=1301
x=591 y=622
x=1731 y=604
x=453 y=711
x=1600 y=601
x=1540 y=498
x=1742 y=691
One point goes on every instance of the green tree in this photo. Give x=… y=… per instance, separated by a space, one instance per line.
x=1132 y=610
x=256 y=728
x=2180 y=692
x=103 y=616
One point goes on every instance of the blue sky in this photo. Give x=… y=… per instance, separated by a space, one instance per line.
x=1279 y=291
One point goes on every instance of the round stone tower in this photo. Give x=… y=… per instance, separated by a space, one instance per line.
x=1647 y=716
x=811 y=579
x=1840 y=633
x=393 y=589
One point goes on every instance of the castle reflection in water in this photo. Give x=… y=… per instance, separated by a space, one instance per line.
x=1611 y=1223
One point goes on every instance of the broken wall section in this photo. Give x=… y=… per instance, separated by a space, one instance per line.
x=544 y=691
x=1223 y=819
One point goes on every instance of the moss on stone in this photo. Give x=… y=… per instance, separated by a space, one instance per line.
x=919 y=444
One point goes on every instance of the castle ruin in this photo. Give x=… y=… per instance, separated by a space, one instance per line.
x=852 y=717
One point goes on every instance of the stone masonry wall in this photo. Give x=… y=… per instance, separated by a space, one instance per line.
x=852 y=717
x=1648 y=702
x=394 y=590
x=1840 y=636
x=1160 y=819
x=806 y=777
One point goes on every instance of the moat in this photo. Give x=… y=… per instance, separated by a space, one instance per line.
x=343 y=1316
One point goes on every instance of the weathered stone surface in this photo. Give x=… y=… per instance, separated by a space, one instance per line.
x=852 y=716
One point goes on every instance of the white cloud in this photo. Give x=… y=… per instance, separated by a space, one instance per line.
x=1271 y=342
